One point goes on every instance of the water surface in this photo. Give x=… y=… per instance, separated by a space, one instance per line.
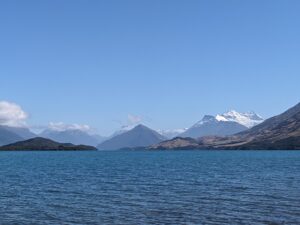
x=165 y=187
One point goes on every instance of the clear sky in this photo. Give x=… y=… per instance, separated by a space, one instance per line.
x=167 y=62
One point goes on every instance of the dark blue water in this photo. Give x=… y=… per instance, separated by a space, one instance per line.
x=184 y=187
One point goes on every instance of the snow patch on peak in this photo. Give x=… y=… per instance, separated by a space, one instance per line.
x=221 y=118
x=248 y=119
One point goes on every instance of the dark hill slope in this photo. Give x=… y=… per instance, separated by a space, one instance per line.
x=44 y=144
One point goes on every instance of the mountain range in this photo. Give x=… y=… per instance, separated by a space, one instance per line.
x=231 y=130
x=132 y=136
x=279 y=132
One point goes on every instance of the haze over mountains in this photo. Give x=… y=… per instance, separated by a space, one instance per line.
x=13 y=134
x=9 y=134
x=74 y=136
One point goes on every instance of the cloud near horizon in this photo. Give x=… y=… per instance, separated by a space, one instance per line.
x=12 y=114
x=60 y=126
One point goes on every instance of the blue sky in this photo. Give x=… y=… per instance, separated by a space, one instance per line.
x=168 y=62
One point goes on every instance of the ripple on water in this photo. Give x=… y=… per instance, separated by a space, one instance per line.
x=192 y=187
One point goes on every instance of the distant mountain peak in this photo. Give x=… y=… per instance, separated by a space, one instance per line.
x=139 y=136
x=205 y=119
x=172 y=133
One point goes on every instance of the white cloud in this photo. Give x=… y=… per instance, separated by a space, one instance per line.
x=12 y=114
x=133 y=119
x=60 y=126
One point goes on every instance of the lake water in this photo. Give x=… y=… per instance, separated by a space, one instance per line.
x=163 y=187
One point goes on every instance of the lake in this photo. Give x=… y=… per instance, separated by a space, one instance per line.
x=140 y=187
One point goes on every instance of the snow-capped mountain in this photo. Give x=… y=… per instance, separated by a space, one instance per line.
x=171 y=133
x=223 y=124
x=210 y=126
x=249 y=119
